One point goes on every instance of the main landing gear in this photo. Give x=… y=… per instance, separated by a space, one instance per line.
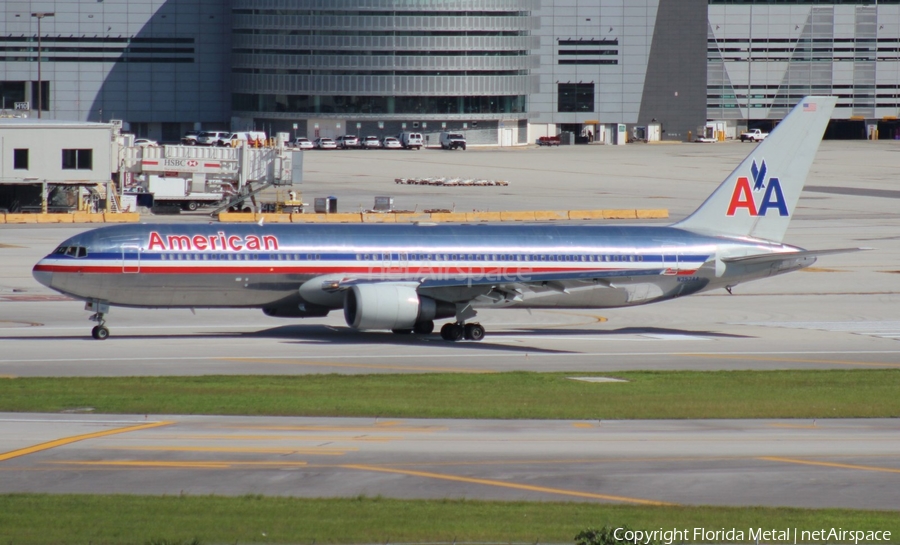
x=99 y=332
x=456 y=331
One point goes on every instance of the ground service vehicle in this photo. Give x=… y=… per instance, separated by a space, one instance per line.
x=403 y=277
x=177 y=192
x=411 y=140
x=254 y=139
x=548 y=140
x=453 y=140
x=755 y=135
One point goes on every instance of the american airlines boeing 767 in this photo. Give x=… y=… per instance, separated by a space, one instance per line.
x=404 y=277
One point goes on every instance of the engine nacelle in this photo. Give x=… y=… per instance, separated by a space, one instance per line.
x=391 y=306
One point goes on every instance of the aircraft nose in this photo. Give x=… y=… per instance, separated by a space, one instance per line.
x=41 y=275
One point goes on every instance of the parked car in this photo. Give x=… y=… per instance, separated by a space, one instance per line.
x=303 y=143
x=347 y=141
x=370 y=142
x=325 y=143
x=190 y=138
x=144 y=142
x=391 y=143
x=214 y=138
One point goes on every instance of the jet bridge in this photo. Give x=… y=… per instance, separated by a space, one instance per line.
x=236 y=173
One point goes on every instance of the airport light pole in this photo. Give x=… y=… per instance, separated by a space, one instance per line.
x=40 y=15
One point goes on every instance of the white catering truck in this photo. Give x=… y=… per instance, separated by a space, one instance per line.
x=177 y=192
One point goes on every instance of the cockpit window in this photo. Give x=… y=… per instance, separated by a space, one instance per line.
x=71 y=251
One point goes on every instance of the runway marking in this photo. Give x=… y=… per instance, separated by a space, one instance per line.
x=212 y=437
x=308 y=450
x=67 y=440
x=829 y=464
x=795 y=426
x=376 y=427
x=582 y=425
x=363 y=365
x=485 y=356
x=456 y=356
x=503 y=484
x=792 y=360
x=157 y=464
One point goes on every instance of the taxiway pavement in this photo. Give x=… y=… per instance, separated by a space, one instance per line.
x=828 y=463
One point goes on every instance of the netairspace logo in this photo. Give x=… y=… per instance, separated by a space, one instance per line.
x=753 y=535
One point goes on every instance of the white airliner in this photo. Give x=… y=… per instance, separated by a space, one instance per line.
x=404 y=277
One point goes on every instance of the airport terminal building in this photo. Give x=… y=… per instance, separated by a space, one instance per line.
x=503 y=71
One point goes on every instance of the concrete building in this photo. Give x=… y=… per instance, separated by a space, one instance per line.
x=47 y=162
x=380 y=67
x=502 y=71
x=160 y=65
x=764 y=56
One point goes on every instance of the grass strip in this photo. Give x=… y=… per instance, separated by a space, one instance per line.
x=99 y=519
x=646 y=395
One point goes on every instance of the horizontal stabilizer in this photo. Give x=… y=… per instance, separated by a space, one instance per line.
x=773 y=257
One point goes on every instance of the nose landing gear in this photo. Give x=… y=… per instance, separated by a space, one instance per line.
x=100 y=331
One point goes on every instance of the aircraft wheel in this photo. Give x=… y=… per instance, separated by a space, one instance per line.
x=100 y=332
x=452 y=332
x=401 y=331
x=423 y=328
x=474 y=332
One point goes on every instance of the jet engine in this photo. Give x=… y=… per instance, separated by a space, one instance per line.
x=391 y=306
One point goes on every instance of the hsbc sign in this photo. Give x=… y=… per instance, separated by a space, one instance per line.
x=185 y=165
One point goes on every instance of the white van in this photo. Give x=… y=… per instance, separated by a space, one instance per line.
x=411 y=140
x=254 y=139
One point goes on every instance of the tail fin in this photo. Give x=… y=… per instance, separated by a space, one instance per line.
x=758 y=198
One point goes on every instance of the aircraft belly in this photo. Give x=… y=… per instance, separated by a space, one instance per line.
x=170 y=290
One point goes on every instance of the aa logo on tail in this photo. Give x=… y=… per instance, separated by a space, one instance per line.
x=743 y=196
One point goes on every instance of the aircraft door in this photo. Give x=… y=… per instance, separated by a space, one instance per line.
x=131 y=258
x=670 y=261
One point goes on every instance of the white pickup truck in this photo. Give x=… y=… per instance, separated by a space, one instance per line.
x=755 y=135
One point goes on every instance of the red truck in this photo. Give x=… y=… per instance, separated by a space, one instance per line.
x=548 y=141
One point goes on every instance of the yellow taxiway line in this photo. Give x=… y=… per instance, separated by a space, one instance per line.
x=67 y=440
x=828 y=464
x=503 y=484
x=156 y=464
x=307 y=450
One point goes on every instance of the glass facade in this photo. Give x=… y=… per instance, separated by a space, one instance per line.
x=382 y=58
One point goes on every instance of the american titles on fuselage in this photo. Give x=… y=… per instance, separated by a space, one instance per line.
x=743 y=194
x=217 y=242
